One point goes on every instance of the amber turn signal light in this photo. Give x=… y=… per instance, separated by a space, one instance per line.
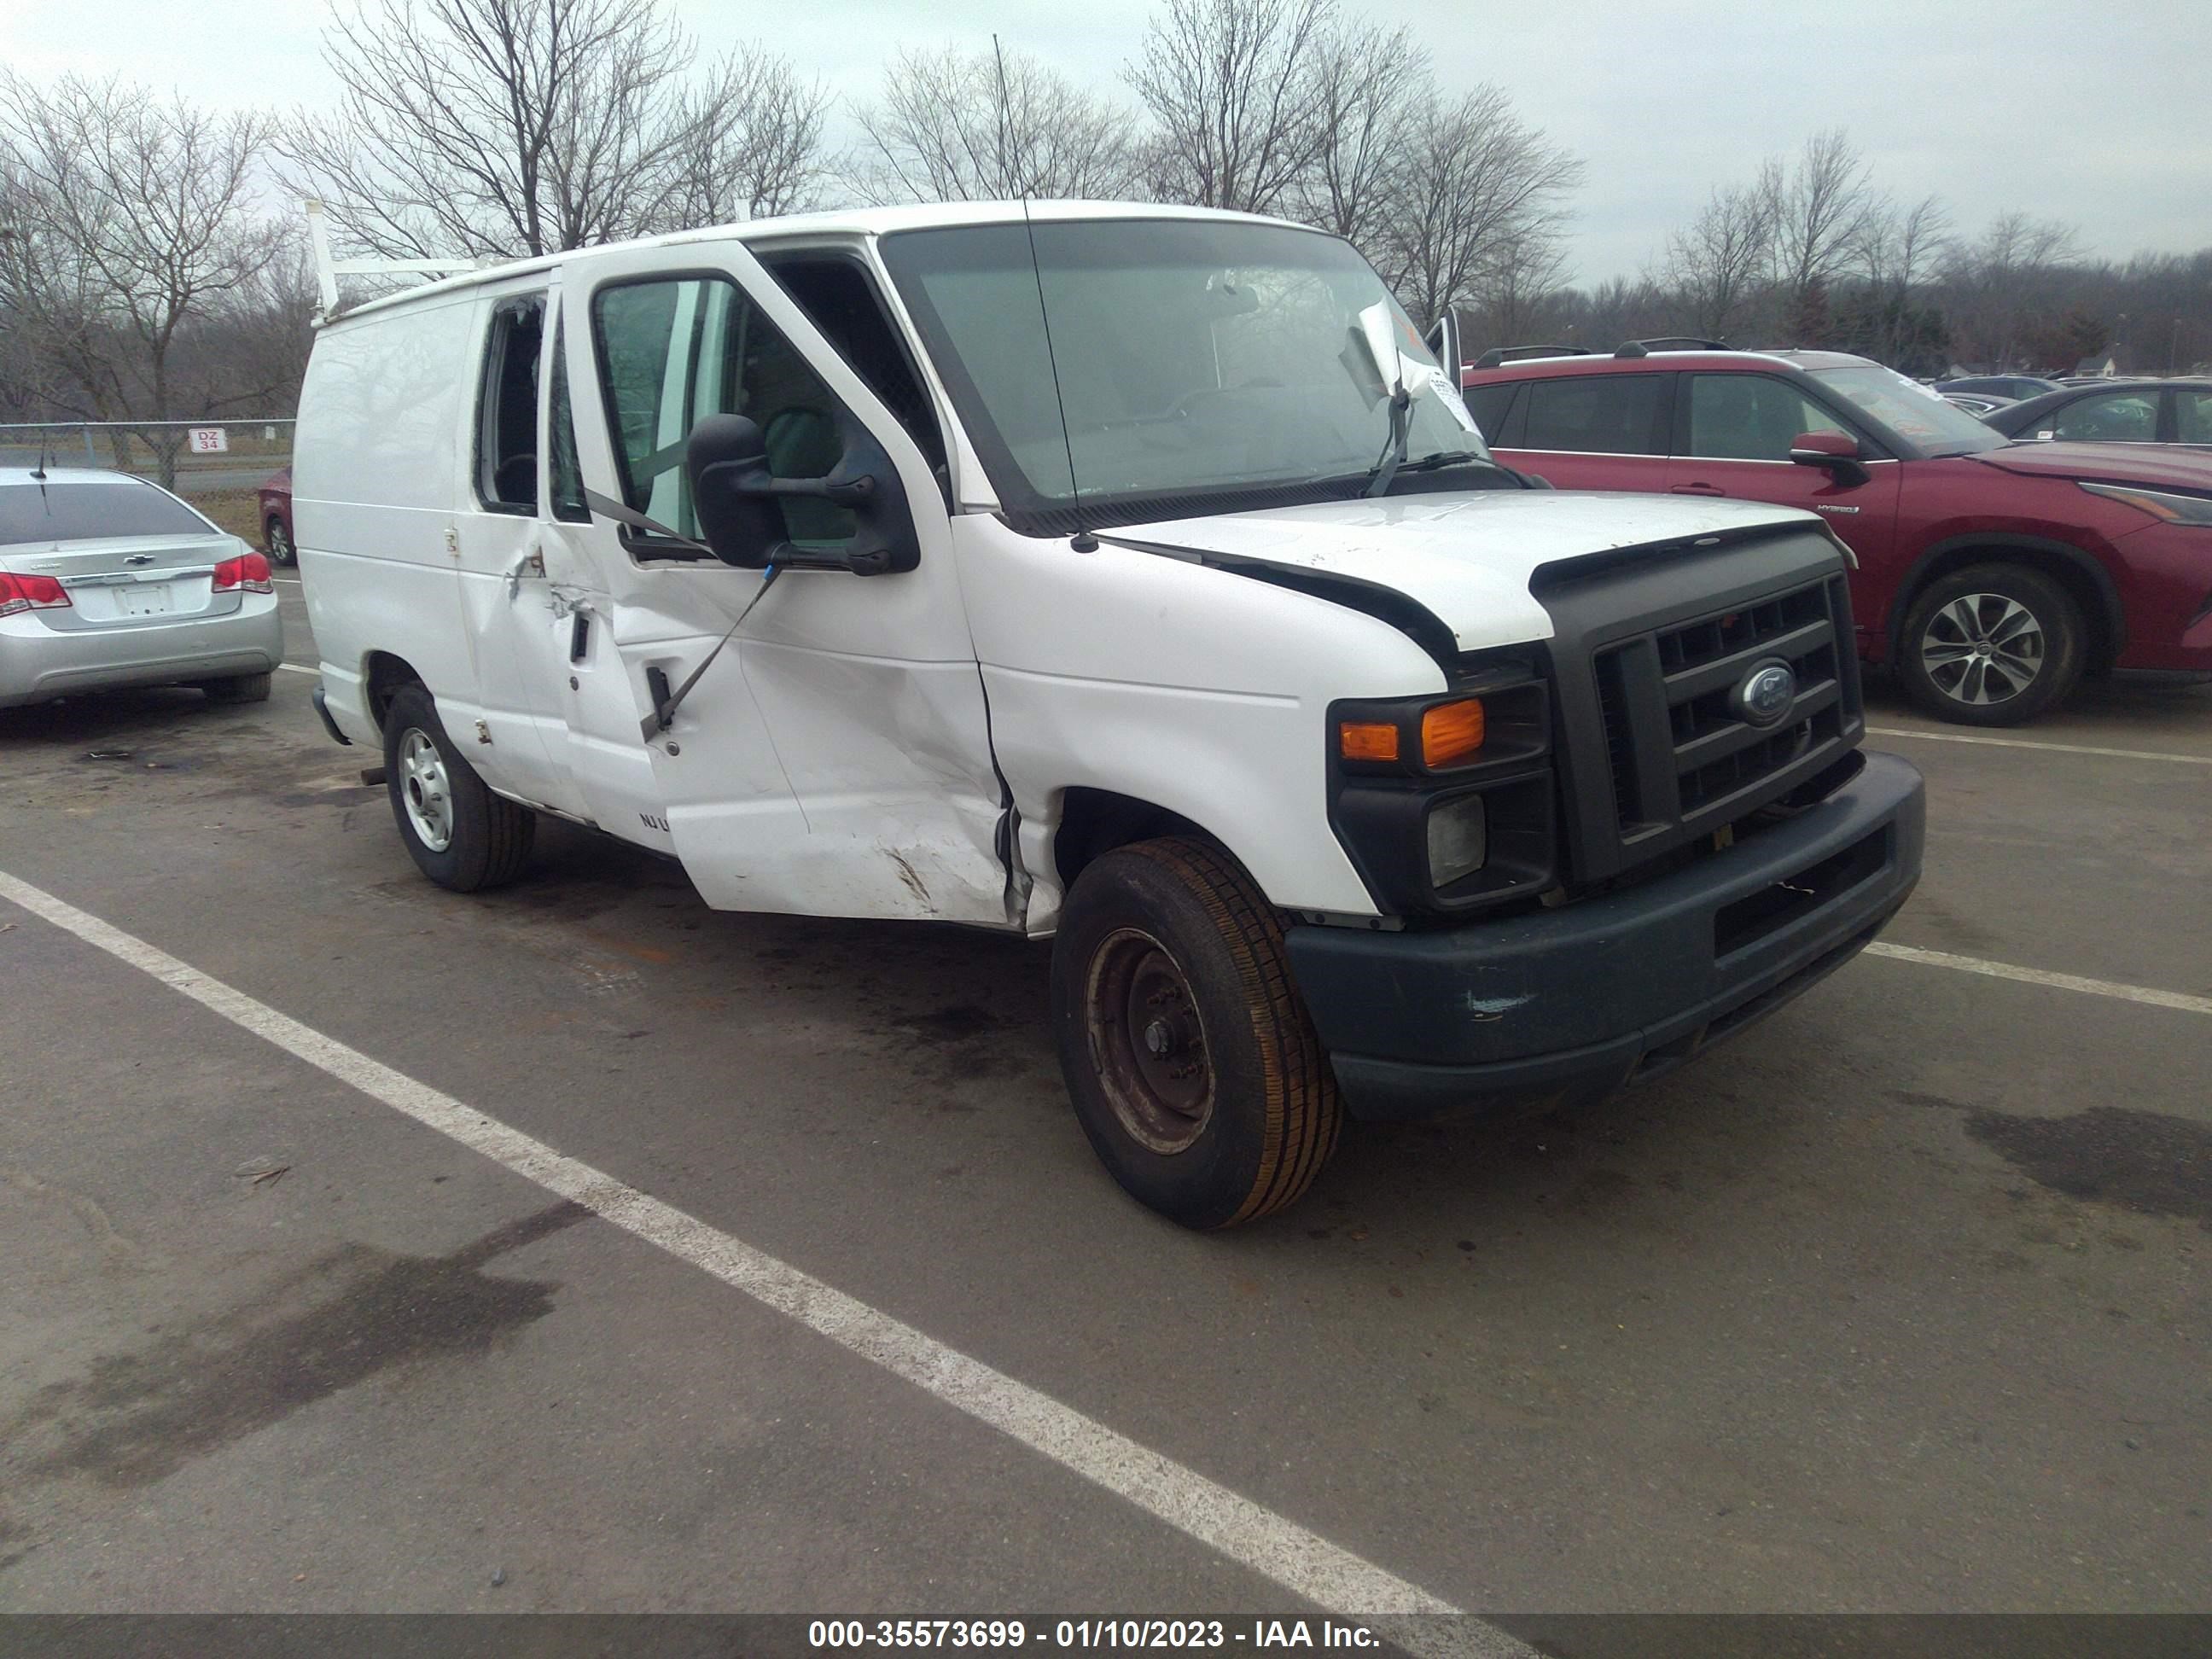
x=1450 y=733
x=1367 y=740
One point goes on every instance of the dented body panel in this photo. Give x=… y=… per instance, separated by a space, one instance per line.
x=900 y=747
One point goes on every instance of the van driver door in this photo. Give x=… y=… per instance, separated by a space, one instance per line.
x=833 y=756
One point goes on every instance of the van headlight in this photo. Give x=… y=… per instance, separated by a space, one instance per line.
x=1445 y=802
x=1459 y=839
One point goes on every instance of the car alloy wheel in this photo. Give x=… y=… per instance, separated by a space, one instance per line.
x=1982 y=649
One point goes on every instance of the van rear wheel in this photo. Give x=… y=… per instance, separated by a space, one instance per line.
x=1193 y=1065
x=459 y=833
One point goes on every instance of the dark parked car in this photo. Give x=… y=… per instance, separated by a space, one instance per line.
x=2114 y=412
x=1977 y=403
x=2005 y=386
x=276 y=518
x=1993 y=575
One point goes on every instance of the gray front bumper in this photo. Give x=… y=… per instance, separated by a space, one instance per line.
x=1569 y=1003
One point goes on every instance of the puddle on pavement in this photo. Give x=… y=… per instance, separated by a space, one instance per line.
x=136 y=1418
x=2147 y=1162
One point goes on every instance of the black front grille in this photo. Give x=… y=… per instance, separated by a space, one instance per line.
x=1716 y=760
x=1655 y=752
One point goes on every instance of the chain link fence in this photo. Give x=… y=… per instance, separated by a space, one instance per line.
x=218 y=465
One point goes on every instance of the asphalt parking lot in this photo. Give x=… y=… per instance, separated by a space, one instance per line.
x=1898 y=1302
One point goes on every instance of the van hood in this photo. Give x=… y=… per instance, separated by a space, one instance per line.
x=1465 y=559
x=2137 y=464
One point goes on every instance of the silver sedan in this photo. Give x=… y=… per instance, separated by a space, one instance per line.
x=106 y=580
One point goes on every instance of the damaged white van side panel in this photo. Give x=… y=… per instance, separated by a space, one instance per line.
x=836 y=758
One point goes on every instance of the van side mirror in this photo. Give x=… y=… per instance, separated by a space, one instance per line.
x=737 y=499
x=1838 y=451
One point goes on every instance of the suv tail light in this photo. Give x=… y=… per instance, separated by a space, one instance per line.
x=248 y=572
x=30 y=593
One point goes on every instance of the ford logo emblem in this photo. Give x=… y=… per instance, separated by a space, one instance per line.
x=1767 y=693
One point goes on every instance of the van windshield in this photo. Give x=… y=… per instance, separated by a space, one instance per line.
x=1191 y=354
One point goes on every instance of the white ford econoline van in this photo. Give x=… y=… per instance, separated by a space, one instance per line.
x=1128 y=575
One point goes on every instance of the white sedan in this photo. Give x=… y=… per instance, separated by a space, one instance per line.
x=106 y=580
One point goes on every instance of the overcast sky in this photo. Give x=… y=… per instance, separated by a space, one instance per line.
x=2100 y=115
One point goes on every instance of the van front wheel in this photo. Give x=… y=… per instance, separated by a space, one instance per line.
x=459 y=833
x=1193 y=1065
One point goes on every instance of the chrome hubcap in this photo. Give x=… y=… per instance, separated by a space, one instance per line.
x=1982 y=649
x=422 y=789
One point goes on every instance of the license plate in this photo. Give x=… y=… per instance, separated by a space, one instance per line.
x=147 y=599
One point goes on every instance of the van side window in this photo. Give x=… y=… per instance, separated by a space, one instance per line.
x=840 y=300
x=506 y=407
x=673 y=351
x=566 y=482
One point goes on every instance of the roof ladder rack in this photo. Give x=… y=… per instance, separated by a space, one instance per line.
x=327 y=271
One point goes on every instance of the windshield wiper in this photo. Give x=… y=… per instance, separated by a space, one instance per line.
x=1394 y=448
x=1430 y=463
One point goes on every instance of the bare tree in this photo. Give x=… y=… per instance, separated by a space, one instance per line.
x=1522 y=284
x=757 y=147
x=131 y=221
x=53 y=308
x=498 y=128
x=1997 y=286
x=1818 y=208
x=1235 y=95
x=948 y=129
x=1897 y=252
x=1369 y=83
x=1476 y=180
x=1620 y=309
x=1717 y=265
x=251 y=353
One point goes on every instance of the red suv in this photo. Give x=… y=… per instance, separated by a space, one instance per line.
x=1992 y=575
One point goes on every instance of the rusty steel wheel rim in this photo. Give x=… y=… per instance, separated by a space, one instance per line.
x=1147 y=1041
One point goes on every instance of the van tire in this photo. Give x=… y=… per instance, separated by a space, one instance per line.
x=239 y=688
x=1990 y=599
x=486 y=837
x=1176 y=927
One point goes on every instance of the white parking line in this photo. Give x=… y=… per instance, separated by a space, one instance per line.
x=1301 y=1562
x=298 y=668
x=2096 y=988
x=2053 y=748
x=288 y=581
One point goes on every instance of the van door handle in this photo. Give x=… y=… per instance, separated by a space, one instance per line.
x=1697 y=489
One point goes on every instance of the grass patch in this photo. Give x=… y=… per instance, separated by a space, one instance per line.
x=238 y=511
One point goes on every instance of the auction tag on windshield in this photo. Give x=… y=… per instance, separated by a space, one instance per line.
x=1447 y=394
